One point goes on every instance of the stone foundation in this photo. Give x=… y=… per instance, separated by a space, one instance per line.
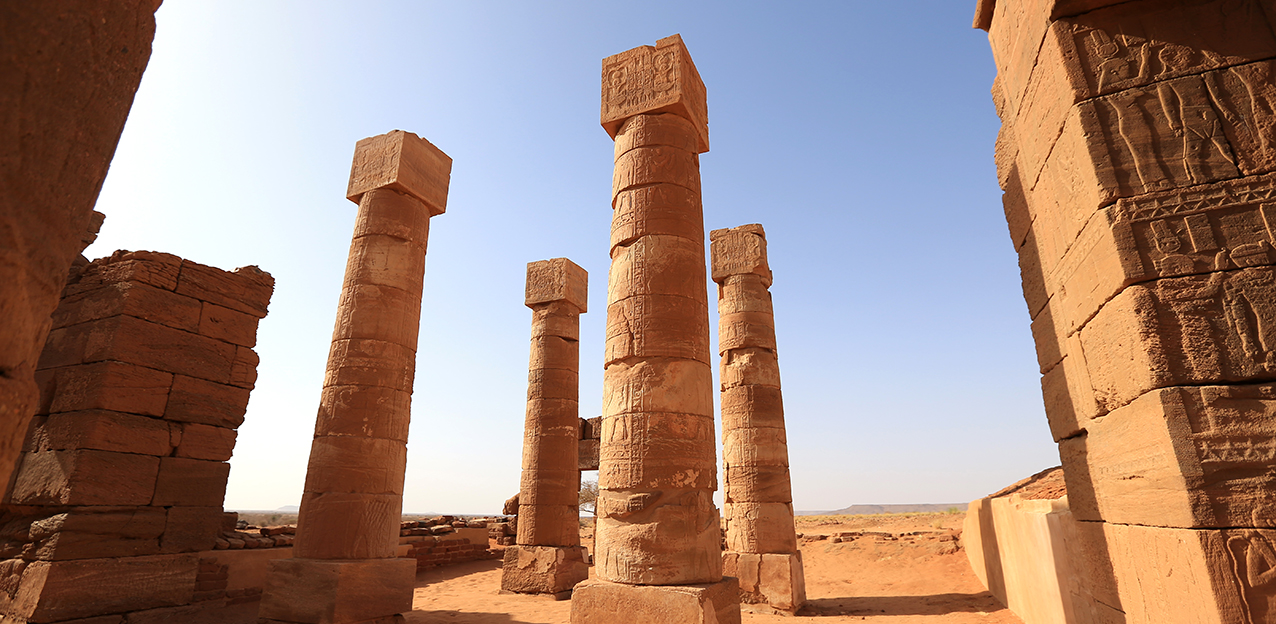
x=599 y=602
x=769 y=583
x=316 y=591
x=543 y=569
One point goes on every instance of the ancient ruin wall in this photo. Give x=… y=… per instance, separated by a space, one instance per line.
x=144 y=380
x=70 y=70
x=1137 y=158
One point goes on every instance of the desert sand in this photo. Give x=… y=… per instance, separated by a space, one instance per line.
x=871 y=578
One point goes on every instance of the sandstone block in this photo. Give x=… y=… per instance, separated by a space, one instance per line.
x=558 y=279
x=676 y=531
x=750 y=367
x=655 y=130
x=404 y=162
x=229 y=325
x=191 y=529
x=104 y=430
x=752 y=407
x=552 y=417
x=657 y=326
x=1179 y=457
x=206 y=442
x=657 y=451
x=553 y=383
x=555 y=319
x=112 y=386
x=246 y=289
x=773 y=581
x=205 y=402
x=764 y=446
x=243 y=371
x=190 y=482
x=738 y=251
x=588 y=455
x=658 y=265
x=660 y=79
x=656 y=165
x=391 y=213
x=85 y=477
x=742 y=330
x=598 y=601
x=333 y=516
x=760 y=527
x=97 y=532
x=51 y=591
x=591 y=428
x=756 y=484
x=543 y=569
x=369 y=411
x=377 y=259
x=310 y=591
x=548 y=526
x=669 y=386
x=1015 y=33
x=365 y=362
x=356 y=465
x=554 y=352
x=550 y=454
x=663 y=209
x=135 y=341
x=744 y=293
x=131 y=299
x=159 y=270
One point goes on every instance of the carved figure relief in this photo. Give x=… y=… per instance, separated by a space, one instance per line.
x=1246 y=99
x=637 y=79
x=1254 y=570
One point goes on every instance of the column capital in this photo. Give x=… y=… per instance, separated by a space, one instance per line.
x=739 y=251
x=558 y=279
x=654 y=79
x=404 y=162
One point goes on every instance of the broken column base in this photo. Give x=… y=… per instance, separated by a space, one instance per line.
x=769 y=583
x=603 y=602
x=543 y=569
x=337 y=591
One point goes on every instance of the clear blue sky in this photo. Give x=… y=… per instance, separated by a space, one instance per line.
x=860 y=134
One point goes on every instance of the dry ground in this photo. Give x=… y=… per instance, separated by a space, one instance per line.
x=863 y=580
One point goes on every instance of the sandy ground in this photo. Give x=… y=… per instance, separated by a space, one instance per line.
x=888 y=579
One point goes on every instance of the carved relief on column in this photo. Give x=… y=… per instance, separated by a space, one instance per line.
x=657 y=523
x=547 y=558
x=758 y=503
x=348 y=525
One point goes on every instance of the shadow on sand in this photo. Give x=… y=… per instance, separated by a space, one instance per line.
x=936 y=604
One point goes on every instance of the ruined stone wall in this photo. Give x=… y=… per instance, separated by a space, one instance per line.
x=1137 y=155
x=68 y=73
x=144 y=380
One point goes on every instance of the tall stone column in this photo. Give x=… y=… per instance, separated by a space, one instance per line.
x=547 y=557
x=657 y=552
x=1138 y=159
x=345 y=568
x=761 y=542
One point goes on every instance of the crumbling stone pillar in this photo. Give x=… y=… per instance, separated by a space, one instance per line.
x=345 y=568
x=758 y=505
x=143 y=383
x=547 y=557
x=68 y=74
x=1137 y=154
x=658 y=550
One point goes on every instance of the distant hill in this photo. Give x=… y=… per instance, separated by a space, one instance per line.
x=864 y=510
x=289 y=509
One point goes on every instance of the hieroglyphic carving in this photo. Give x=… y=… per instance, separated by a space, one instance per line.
x=1246 y=99
x=1253 y=568
x=654 y=79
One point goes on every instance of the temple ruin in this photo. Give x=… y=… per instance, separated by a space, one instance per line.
x=762 y=549
x=1136 y=155
x=547 y=557
x=657 y=548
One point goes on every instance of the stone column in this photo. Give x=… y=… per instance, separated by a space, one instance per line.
x=345 y=568
x=658 y=551
x=1139 y=168
x=547 y=557
x=761 y=543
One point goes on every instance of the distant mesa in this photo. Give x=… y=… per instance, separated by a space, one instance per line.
x=289 y=508
x=865 y=510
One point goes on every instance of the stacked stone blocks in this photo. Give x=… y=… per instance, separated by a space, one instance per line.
x=761 y=541
x=658 y=542
x=144 y=380
x=1137 y=159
